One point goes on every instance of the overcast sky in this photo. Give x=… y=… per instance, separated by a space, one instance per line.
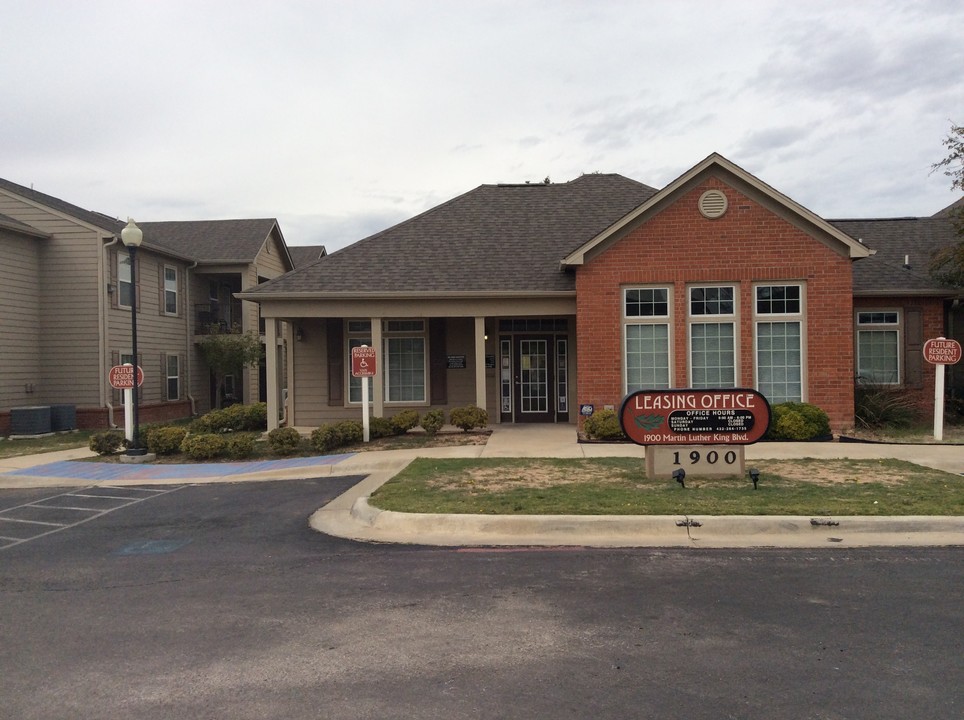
x=343 y=118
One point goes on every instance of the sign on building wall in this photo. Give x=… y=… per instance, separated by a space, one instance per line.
x=695 y=417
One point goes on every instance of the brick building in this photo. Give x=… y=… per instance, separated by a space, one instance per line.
x=539 y=301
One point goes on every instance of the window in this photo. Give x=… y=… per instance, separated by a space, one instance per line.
x=779 y=342
x=646 y=338
x=712 y=343
x=878 y=341
x=173 y=374
x=125 y=286
x=170 y=290
x=404 y=355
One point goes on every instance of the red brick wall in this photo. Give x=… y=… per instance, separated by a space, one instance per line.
x=92 y=418
x=748 y=244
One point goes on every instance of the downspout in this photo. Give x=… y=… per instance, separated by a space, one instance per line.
x=102 y=279
x=189 y=335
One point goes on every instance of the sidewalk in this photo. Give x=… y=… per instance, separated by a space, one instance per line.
x=350 y=515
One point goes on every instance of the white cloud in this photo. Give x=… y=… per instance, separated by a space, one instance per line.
x=339 y=118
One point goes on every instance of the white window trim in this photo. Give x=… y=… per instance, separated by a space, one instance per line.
x=168 y=377
x=721 y=319
x=165 y=291
x=870 y=327
x=122 y=260
x=800 y=317
x=388 y=336
x=628 y=320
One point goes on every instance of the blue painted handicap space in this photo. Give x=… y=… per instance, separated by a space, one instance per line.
x=106 y=472
x=152 y=547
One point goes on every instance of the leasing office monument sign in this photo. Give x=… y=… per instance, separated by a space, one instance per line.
x=702 y=431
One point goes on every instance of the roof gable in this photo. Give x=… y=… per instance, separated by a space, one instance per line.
x=213 y=241
x=86 y=217
x=730 y=173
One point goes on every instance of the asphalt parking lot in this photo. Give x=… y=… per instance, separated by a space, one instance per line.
x=219 y=601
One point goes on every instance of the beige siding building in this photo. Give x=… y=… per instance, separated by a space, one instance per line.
x=65 y=313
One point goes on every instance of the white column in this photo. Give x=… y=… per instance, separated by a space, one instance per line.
x=480 y=362
x=378 y=382
x=271 y=371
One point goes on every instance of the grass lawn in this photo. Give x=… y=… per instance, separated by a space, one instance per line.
x=50 y=443
x=618 y=486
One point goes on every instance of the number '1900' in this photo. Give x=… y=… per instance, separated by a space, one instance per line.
x=712 y=457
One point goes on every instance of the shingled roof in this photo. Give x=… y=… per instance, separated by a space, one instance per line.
x=96 y=219
x=228 y=241
x=304 y=254
x=884 y=273
x=496 y=238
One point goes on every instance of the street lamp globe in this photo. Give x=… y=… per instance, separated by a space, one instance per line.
x=131 y=235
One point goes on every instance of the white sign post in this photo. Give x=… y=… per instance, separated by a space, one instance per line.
x=940 y=352
x=123 y=377
x=129 y=414
x=363 y=364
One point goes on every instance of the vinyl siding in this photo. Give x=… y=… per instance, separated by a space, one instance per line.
x=69 y=348
x=20 y=329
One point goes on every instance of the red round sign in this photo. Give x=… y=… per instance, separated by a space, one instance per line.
x=121 y=377
x=695 y=417
x=942 y=351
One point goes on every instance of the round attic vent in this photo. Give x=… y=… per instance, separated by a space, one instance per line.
x=712 y=204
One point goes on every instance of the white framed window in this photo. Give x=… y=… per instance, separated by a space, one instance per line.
x=173 y=375
x=712 y=336
x=125 y=285
x=170 y=290
x=878 y=346
x=646 y=338
x=780 y=359
x=404 y=352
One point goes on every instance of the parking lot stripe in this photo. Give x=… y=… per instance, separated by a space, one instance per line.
x=57 y=527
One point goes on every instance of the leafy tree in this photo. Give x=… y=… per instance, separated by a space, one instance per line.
x=948 y=263
x=228 y=352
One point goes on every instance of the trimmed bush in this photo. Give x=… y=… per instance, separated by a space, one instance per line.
x=233 y=419
x=469 y=417
x=432 y=421
x=106 y=443
x=379 y=427
x=164 y=439
x=603 y=425
x=239 y=446
x=256 y=416
x=284 y=441
x=204 y=446
x=335 y=435
x=795 y=421
x=404 y=421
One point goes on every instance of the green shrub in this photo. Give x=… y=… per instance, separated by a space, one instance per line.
x=164 y=439
x=239 y=445
x=204 y=446
x=325 y=438
x=256 y=416
x=797 y=421
x=210 y=422
x=604 y=425
x=284 y=441
x=469 y=417
x=379 y=427
x=404 y=421
x=350 y=431
x=881 y=406
x=106 y=443
x=432 y=421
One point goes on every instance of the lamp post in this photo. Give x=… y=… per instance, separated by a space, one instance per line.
x=132 y=236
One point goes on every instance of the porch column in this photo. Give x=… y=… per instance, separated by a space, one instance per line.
x=271 y=371
x=480 y=362
x=378 y=382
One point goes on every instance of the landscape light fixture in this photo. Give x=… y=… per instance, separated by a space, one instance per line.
x=754 y=476
x=678 y=476
x=132 y=236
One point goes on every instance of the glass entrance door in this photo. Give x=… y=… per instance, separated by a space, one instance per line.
x=533 y=380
